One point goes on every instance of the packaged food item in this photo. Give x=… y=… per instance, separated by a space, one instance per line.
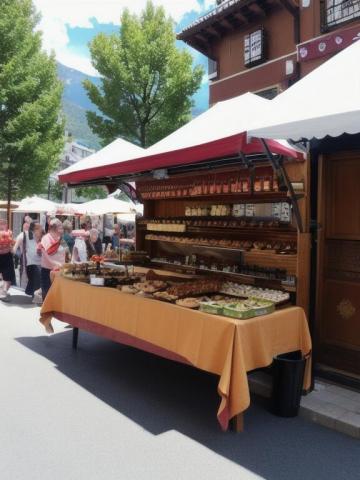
x=260 y=306
x=237 y=310
x=226 y=187
x=205 y=187
x=212 y=307
x=267 y=184
x=238 y=210
x=258 y=184
x=245 y=185
x=233 y=185
x=252 y=307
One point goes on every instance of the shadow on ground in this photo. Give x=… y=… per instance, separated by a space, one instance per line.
x=161 y=395
x=19 y=301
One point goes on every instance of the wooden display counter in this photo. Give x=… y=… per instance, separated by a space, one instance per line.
x=239 y=223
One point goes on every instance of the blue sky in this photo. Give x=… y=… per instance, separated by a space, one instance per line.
x=69 y=25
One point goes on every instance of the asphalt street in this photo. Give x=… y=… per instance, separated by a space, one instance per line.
x=111 y=412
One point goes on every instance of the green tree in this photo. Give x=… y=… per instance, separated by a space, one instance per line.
x=31 y=131
x=91 y=193
x=147 y=83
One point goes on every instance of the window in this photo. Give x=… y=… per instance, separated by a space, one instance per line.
x=336 y=12
x=213 y=69
x=254 y=48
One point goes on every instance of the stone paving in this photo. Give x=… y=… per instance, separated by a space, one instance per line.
x=332 y=406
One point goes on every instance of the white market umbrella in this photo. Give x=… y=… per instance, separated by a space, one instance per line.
x=106 y=205
x=4 y=204
x=325 y=102
x=126 y=217
x=36 y=205
x=69 y=209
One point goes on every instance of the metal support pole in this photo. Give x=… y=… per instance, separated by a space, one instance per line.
x=250 y=166
x=279 y=169
x=75 y=338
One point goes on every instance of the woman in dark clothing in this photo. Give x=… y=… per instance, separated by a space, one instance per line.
x=32 y=249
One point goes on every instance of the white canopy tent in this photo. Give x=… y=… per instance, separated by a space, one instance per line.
x=224 y=120
x=325 y=102
x=36 y=205
x=114 y=152
x=106 y=205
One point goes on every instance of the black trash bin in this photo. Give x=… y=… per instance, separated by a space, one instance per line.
x=288 y=377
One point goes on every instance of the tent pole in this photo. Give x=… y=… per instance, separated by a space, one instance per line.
x=250 y=166
x=279 y=169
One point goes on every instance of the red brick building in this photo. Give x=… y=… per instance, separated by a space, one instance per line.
x=266 y=45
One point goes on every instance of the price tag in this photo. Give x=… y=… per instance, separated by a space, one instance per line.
x=276 y=210
x=285 y=212
x=250 y=210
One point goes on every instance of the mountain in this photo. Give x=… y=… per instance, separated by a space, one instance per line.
x=75 y=103
x=76 y=124
x=74 y=91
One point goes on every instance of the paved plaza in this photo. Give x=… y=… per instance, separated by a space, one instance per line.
x=110 y=412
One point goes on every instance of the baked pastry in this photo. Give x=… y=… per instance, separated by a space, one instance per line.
x=128 y=289
x=150 y=286
x=165 y=296
x=188 y=302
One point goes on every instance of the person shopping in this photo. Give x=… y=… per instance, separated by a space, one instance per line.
x=6 y=259
x=52 y=253
x=79 y=252
x=19 y=251
x=69 y=239
x=93 y=244
x=33 y=257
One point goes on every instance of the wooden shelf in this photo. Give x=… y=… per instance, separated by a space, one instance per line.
x=282 y=228
x=193 y=245
x=230 y=197
x=247 y=279
x=263 y=258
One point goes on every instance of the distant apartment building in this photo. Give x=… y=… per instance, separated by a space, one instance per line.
x=73 y=152
x=264 y=46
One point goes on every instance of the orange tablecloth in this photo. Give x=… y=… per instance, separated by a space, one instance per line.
x=220 y=345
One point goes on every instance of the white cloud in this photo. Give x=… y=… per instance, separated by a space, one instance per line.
x=57 y=14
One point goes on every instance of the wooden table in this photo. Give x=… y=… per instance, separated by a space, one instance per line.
x=226 y=347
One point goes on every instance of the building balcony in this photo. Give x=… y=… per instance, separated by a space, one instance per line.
x=227 y=17
x=339 y=12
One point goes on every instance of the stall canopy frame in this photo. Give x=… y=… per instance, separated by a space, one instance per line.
x=326 y=102
x=220 y=132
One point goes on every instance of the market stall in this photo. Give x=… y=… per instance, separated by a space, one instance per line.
x=323 y=108
x=225 y=249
